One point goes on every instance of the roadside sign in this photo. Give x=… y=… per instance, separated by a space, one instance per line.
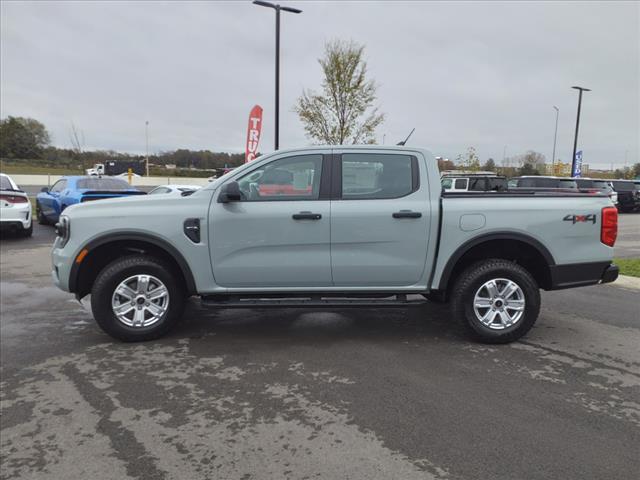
x=253 y=133
x=577 y=165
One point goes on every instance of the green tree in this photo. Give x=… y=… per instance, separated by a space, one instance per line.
x=344 y=112
x=636 y=170
x=22 y=138
x=489 y=165
x=528 y=169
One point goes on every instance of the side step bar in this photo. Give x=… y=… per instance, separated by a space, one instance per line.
x=235 y=301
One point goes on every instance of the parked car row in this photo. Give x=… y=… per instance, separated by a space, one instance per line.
x=625 y=194
x=16 y=210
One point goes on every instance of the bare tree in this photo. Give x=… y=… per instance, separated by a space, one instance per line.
x=76 y=136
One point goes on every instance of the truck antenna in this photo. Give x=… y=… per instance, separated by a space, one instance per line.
x=404 y=142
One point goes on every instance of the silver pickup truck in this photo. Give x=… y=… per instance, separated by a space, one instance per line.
x=328 y=227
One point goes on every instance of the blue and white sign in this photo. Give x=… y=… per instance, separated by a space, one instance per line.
x=577 y=165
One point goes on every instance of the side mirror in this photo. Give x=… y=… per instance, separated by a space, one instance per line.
x=44 y=189
x=230 y=193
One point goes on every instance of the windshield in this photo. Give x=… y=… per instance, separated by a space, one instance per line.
x=601 y=184
x=103 y=184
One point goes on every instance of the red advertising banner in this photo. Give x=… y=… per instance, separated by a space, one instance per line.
x=253 y=133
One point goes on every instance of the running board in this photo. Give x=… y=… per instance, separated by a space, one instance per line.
x=234 y=301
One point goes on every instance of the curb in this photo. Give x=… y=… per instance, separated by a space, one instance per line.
x=625 y=281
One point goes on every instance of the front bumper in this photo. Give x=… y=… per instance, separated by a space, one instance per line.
x=582 y=274
x=61 y=263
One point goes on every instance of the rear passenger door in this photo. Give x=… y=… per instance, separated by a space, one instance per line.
x=379 y=219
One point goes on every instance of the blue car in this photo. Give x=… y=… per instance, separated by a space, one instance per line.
x=51 y=202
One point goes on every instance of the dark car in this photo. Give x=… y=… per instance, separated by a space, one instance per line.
x=628 y=195
x=473 y=183
x=50 y=202
x=544 y=182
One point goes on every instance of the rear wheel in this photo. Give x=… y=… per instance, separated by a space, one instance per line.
x=27 y=232
x=497 y=300
x=137 y=298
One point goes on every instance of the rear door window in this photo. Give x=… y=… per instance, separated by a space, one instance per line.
x=497 y=184
x=477 y=184
x=368 y=176
x=461 y=184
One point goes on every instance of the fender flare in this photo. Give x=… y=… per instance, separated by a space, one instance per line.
x=469 y=244
x=138 y=236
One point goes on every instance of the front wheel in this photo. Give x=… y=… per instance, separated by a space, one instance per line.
x=137 y=298
x=42 y=220
x=497 y=300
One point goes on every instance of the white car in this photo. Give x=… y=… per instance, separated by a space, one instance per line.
x=174 y=190
x=15 y=208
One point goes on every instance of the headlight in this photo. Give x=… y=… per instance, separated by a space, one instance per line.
x=63 y=229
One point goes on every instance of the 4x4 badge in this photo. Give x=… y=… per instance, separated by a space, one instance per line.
x=580 y=218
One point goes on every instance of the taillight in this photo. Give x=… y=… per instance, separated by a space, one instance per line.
x=14 y=198
x=609 y=227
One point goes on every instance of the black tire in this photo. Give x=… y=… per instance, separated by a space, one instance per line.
x=42 y=220
x=119 y=270
x=27 y=232
x=473 y=278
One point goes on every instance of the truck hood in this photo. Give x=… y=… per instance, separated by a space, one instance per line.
x=136 y=205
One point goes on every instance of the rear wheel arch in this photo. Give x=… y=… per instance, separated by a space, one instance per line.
x=520 y=248
x=103 y=250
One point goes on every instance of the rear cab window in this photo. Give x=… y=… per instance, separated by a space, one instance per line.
x=5 y=183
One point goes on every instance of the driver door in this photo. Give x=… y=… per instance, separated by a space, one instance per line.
x=278 y=235
x=50 y=203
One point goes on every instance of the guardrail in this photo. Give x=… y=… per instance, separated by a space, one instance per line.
x=48 y=180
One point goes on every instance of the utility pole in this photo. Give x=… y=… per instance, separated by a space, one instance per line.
x=555 y=137
x=277 y=8
x=146 y=135
x=575 y=139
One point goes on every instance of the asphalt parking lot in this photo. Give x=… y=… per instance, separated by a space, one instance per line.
x=371 y=394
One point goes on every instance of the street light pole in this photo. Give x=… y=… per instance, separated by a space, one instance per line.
x=277 y=8
x=555 y=137
x=575 y=139
x=146 y=136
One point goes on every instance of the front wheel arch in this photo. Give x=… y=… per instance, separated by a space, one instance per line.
x=104 y=250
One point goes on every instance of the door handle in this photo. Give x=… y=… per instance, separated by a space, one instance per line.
x=306 y=216
x=406 y=214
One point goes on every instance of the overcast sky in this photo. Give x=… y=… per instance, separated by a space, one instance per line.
x=464 y=74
